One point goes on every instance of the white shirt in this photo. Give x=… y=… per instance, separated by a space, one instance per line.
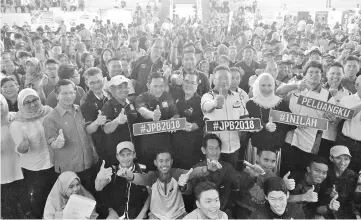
x=352 y=128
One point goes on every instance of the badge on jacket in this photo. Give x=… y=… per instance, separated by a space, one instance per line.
x=165 y=104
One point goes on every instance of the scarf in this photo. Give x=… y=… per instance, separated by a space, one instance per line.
x=261 y=100
x=22 y=114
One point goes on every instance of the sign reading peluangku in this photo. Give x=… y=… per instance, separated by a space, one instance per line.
x=234 y=125
x=300 y=120
x=337 y=110
x=159 y=126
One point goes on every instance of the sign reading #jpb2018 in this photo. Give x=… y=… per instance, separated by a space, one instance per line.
x=159 y=126
x=234 y=125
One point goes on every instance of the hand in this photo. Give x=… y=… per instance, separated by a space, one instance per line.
x=24 y=145
x=219 y=101
x=334 y=204
x=333 y=192
x=101 y=119
x=329 y=116
x=333 y=89
x=270 y=126
x=290 y=183
x=125 y=173
x=310 y=195
x=302 y=86
x=254 y=170
x=213 y=165
x=183 y=178
x=157 y=114
x=60 y=140
x=122 y=118
x=104 y=173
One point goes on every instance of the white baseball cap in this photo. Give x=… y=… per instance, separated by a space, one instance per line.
x=125 y=145
x=117 y=80
x=339 y=150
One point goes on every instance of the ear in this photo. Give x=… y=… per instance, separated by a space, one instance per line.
x=308 y=169
x=57 y=96
x=331 y=158
x=288 y=195
x=203 y=150
x=155 y=163
x=197 y=203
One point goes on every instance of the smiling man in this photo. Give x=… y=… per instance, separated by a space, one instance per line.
x=51 y=70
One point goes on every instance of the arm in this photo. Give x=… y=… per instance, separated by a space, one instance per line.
x=285 y=89
x=146 y=113
x=357 y=109
x=208 y=104
x=296 y=198
x=174 y=55
x=111 y=126
x=92 y=127
x=100 y=184
x=142 y=179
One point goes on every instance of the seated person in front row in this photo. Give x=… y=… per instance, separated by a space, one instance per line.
x=120 y=197
x=208 y=203
x=276 y=206
x=166 y=186
x=68 y=183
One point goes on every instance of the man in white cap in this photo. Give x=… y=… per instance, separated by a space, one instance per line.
x=120 y=197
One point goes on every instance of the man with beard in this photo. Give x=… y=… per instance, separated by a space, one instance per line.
x=189 y=66
x=248 y=65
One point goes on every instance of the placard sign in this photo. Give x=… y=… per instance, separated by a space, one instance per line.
x=295 y=119
x=234 y=125
x=159 y=126
x=337 y=110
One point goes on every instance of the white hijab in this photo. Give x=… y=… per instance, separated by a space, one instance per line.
x=261 y=100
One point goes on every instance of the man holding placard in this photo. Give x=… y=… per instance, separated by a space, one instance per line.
x=223 y=104
x=155 y=105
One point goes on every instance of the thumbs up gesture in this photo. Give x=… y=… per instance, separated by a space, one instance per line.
x=60 y=140
x=270 y=126
x=213 y=165
x=183 y=178
x=122 y=118
x=333 y=192
x=101 y=119
x=104 y=173
x=24 y=146
x=334 y=204
x=310 y=195
x=290 y=183
x=157 y=114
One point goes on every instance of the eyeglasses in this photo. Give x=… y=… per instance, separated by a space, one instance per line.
x=34 y=101
x=93 y=83
x=190 y=82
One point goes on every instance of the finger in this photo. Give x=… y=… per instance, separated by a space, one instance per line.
x=61 y=133
x=99 y=112
x=313 y=187
x=122 y=111
x=103 y=164
x=334 y=188
x=189 y=172
x=270 y=120
x=208 y=161
x=158 y=108
x=334 y=198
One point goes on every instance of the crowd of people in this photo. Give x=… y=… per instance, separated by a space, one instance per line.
x=69 y=101
x=28 y=6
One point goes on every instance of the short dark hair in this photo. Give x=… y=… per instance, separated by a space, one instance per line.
x=317 y=159
x=50 y=61
x=203 y=187
x=260 y=150
x=163 y=151
x=37 y=37
x=18 y=36
x=113 y=59
x=155 y=75
x=8 y=79
x=274 y=184
x=22 y=53
x=352 y=58
x=92 y=72
x=66 y=71
x=313 y=63
x=336 y=64
x=84 y=56
x=237 y=69
x=220 y=67
x=63 y=82
x=211 y=136
x=157 y=39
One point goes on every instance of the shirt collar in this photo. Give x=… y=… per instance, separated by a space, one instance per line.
x=327 y=86
x=62 y=111
x=317 y=89
x=104 y=94
x=357 y=96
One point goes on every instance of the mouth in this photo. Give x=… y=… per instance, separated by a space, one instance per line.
x=164 y=169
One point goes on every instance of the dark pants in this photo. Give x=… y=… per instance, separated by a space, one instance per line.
x=231 y=158
x=11 y=200
x=325 y=147
x=355 y=151
x=35 y=190
x=293 y=159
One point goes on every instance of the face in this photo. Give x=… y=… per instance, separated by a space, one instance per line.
x=277 y=201
x=334 y=75
x=351 y=68
x=267 y=160
x=30 y=68
x=125 y=65
x=31 y=104
x=190 y=83
x=89 y=61
x=317 y=172
x=313 y=75
x=157 y=49
x=236 y=79
x=95 y=83
x=10 y=90
x=213 y=150
x=72 y=41
x=266 y=87
x=66 y=95
x=125 y=158
x=315 y=57
x=9 y=67
x=341 y=162
x=189 y=61
x=52 y=70
x=222 y=80
x=163 y=162
x=98 y=43
x=64 y=60
x=257 y=44
x=23 y=60
x=121 y=91
x=156 y=87
x=209 y=204
x=73 y=188
x=233 y=53
x=205 y=68
x=223 y=62
x=272 y=69
x=76 y=78
x=114 y=68
x=107 y=56
x=248 y=54
x=38 y=44
x=56 y=51
x=208 y=55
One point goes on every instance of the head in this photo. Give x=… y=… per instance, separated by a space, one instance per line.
x=63 y=59
x=232 y=52
x=94 y=79
x=276 y=194
x=69 y=72
x=122 y=52
x=190 y=83
x=211 y=146
x=55 y=51
x=313 y=72
x=189 y=60
x=87 y=59
x=33 y=66
x=317 y=170
x=4 y=108
x=69 y=184
x=28 y=101
x=208 y=54
x=163 y=161
x=204 y=67
x=157 y=48
x=23 y=56
x=8 y=66
x=156 y=84
x=114 y=67
x=248 y=53
x=125 y=64
x=133 y=41
x=119 y=87
x=65 y=91
x=126 y=154
x=340 y=157
x=257 y=43
x=106 y=55
x=267 y=159
x=223 y=60
x=272 y=69
x=207 y=199
x=9 y=87
x=335 y=74
x=51 y=68
x=236 y=74
x=352 y=66
x=222 y=78
x=264 y=85
x=38 y=43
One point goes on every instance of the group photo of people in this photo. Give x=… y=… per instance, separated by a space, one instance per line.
x=77 y=102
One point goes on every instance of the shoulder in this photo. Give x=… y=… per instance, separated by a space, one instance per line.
x=192 y=215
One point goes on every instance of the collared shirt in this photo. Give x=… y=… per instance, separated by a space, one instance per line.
x=351 y=128
x=232 y=109
x=349 y=84
x=77 y=153
x=203 y=86
x=52 y=101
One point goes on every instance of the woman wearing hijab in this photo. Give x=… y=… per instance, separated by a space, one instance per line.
x=272 y=134
x=11 y=174
x=68 y=183
x=28 y=134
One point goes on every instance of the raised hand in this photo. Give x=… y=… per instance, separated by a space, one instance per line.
x=270 y=126
x=310 y=195
x=219 y=101
x=254 y=169
x=60 y=140
x=213 y=165
x=157 y=114
x=101 y=119
x=334 y=204
x=104 y=173
x=333 y=192
x=290 y=183
x=122 y=118
x=183 y=178
x=302 y=86
x=24 y=146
